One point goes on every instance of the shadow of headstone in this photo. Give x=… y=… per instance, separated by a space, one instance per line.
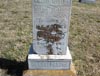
x=13 y=67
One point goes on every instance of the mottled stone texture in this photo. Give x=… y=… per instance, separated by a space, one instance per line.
x=51 y=20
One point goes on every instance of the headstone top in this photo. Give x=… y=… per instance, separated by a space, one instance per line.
x=51 y=2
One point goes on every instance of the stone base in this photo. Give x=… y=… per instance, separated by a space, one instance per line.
x=49 y=62
x=71 y=72
x=87 y=1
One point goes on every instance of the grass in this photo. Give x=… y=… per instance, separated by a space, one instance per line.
x=84 y=34
x=84 y=38
x=15 y=29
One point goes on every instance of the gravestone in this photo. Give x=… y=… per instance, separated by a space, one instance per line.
x=50 y=26
x=51 y=20
x=87 y=1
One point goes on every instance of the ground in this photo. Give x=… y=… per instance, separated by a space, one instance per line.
x=16 y=36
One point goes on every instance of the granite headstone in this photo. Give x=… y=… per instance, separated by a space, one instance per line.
x=51 y=20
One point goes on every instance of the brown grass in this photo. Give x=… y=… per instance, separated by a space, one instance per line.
x=84 y=38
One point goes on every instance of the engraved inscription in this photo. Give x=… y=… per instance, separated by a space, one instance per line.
x=52 y=2
x=49 y=65
x=50 y=11
x=50 y=26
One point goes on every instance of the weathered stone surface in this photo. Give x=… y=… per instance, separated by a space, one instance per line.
x=50 y=26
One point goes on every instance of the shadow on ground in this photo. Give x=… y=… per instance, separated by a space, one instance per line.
x=13 y=67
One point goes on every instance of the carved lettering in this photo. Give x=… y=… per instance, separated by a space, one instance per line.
x=50 y=25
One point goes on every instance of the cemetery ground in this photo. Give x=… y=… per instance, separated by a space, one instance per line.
x=16 y=37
